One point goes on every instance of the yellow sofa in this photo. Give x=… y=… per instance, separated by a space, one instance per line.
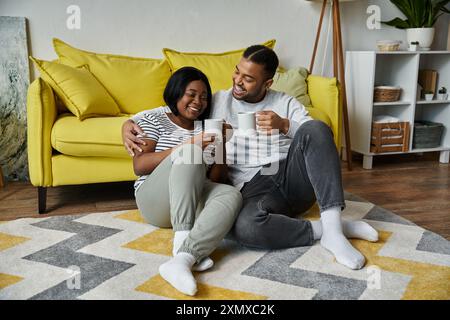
x=64 y=150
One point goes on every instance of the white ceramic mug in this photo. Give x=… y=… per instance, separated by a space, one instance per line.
x=214 y=126
x=247 y=121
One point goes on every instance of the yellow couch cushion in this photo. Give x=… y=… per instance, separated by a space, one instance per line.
x=324 y=95
x=80 y=91
x=136 y=84
x=318 y=114
x=97 y=137
x=218 y=67
x=68 y=170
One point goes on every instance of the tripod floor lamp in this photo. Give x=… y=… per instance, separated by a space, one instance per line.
x=338 y=65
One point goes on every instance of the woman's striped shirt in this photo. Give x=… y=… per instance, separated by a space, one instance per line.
x=158 y=127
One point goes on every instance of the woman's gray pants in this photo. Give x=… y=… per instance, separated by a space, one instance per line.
x=177 y=194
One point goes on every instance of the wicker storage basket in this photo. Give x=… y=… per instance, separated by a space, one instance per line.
x=390 y=137
x=427 y=134
x=386 y=94
x=388 y=45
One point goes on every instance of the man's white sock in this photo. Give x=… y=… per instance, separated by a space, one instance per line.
x=317 y=229
x=177 y=271
x=359 y=230
x=333 y=239
x=178 y=239
x=352 y=229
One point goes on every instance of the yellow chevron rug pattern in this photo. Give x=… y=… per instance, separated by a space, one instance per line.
x=116 y=255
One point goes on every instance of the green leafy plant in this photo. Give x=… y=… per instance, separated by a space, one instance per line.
x=443 y=90
x=418 y=13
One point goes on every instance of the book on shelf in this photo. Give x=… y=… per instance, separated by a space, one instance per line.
x=428 y=80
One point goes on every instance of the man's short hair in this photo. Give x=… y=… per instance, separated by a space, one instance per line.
x=264 y=56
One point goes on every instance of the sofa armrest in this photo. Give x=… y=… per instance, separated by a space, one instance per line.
x=325 y=96
x=41 y=115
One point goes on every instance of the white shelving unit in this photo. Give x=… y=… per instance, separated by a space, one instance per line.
x=367 y=69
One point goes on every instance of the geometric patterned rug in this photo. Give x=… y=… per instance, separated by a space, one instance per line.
x=116 y=255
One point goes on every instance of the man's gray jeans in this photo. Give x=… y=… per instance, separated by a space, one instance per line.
x=311 y=172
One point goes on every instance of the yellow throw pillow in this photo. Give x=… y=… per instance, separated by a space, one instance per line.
x=293 y=82
x=218 y=67
x=135 y=83
x=83 y=95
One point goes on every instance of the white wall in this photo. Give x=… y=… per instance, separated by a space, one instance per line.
x=143 y=27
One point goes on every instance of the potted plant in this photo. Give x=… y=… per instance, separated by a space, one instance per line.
x=429 y=95
x=442 y=93
x=421 y=15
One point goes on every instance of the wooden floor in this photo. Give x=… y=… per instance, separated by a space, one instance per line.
x=416 y=187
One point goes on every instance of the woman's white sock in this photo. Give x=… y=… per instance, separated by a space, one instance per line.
x=204 y=264
x=333 y=239
x=177 y=271
x=178 y=239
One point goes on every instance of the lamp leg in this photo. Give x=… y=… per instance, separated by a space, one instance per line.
x=316 y=44
x=340 y=61
x=335 y=42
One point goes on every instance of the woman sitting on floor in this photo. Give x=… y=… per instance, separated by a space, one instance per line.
x=174 y=191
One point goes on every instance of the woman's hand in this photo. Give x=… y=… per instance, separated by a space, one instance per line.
x=130 y=130
x=202 y=139
x=145 y=161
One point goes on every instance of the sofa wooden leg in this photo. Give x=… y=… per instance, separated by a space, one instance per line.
x=42 y=199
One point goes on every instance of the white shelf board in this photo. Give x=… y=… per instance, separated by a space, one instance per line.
x=406 y=52
x=433 y=52
x=429 y=149
x=433 y=102
x=443 y=148
x=395 y=103
x=396 y=52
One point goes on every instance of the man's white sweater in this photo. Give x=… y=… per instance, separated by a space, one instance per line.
x=247 y=154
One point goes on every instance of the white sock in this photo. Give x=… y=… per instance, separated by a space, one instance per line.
x=204 y=264
x=317 y=229
x=177 y=271
x=359 y=230
x=352 y=229
x=333 y=239
x=178 y=239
